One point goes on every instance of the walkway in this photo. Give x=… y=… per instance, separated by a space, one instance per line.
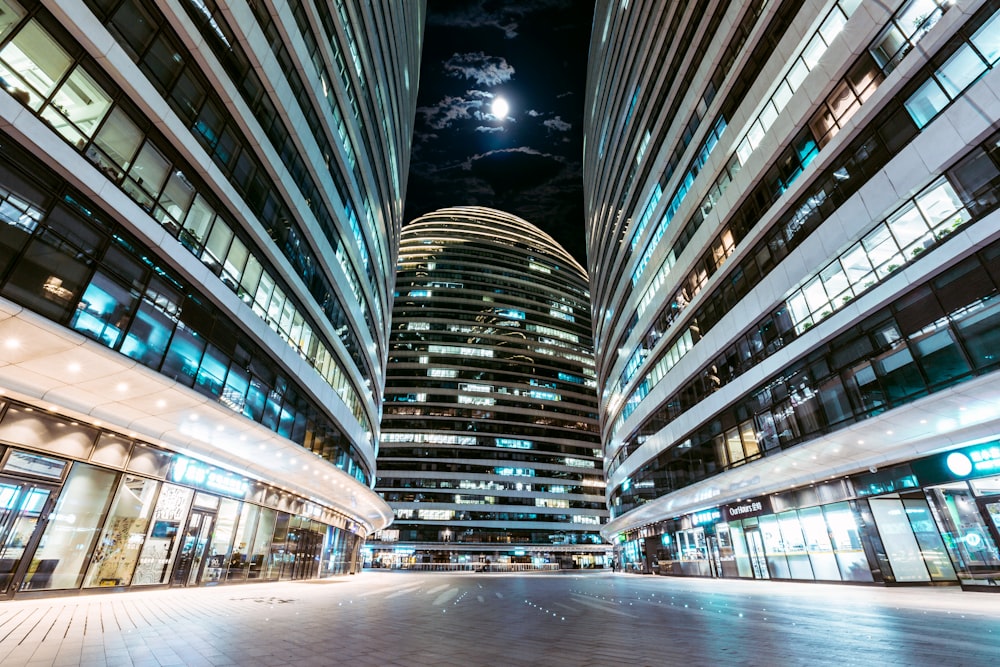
x=598 y=618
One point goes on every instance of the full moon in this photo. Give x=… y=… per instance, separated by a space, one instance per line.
x=500 y=108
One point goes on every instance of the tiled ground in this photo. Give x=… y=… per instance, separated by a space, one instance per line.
x=392 y=618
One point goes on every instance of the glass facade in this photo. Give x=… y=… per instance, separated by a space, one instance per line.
x=812 y=279
x=71 y=524
x=489 y=446
x=931 y=520
x=203 y=202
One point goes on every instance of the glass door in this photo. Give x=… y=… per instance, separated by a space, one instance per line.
x=22 y=507
x=758 y=561
x=194 y=548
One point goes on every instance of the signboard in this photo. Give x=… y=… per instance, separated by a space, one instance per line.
x=747 y=508
x=187 y=471
x=968 y=462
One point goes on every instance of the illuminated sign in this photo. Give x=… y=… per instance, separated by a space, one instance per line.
x=708 y=516
x=747 y=508
x=187 y=471
x=976 y=460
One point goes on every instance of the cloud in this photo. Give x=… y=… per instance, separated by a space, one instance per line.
x=483 y=128
x=566 y=94
x=454 y=107
x=503 y=16
x=481 y=68
x=557 y=124
x=534 y=114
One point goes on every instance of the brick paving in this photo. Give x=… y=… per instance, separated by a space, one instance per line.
x=599 y=619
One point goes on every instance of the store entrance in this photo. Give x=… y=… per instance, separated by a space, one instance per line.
x=758 y=561
x=22 y=508
x=194 y=549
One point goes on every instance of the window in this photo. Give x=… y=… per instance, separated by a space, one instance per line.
x=32 y=64
x=960 y=70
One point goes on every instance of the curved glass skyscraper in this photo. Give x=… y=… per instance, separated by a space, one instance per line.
x=795 y=252
x=200 y=204
x=489 y=448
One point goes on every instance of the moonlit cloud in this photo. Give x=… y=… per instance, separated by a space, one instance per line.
x=453 y=107
x=533 y=113
x=483 y=128
x=479 y=67
x=557 y=124
x=466 y=165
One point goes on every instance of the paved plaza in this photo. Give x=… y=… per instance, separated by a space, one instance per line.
x=597 y=618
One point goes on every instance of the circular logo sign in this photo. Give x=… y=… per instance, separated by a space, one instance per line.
x=959 y=464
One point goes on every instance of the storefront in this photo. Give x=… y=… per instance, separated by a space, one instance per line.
x=934 y=520
x=82 y=508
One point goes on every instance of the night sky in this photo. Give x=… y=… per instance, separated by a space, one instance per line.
x=533 y=53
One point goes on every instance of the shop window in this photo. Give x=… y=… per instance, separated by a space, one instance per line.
x=928 y=538
x=846 y=538
x=794 y=545
x=72 y=529
x=117 y=552
x=774 y=548
x=164 y=538
x=239 y=559
x=261 y=550
x=32 y=64
x=897 y=537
